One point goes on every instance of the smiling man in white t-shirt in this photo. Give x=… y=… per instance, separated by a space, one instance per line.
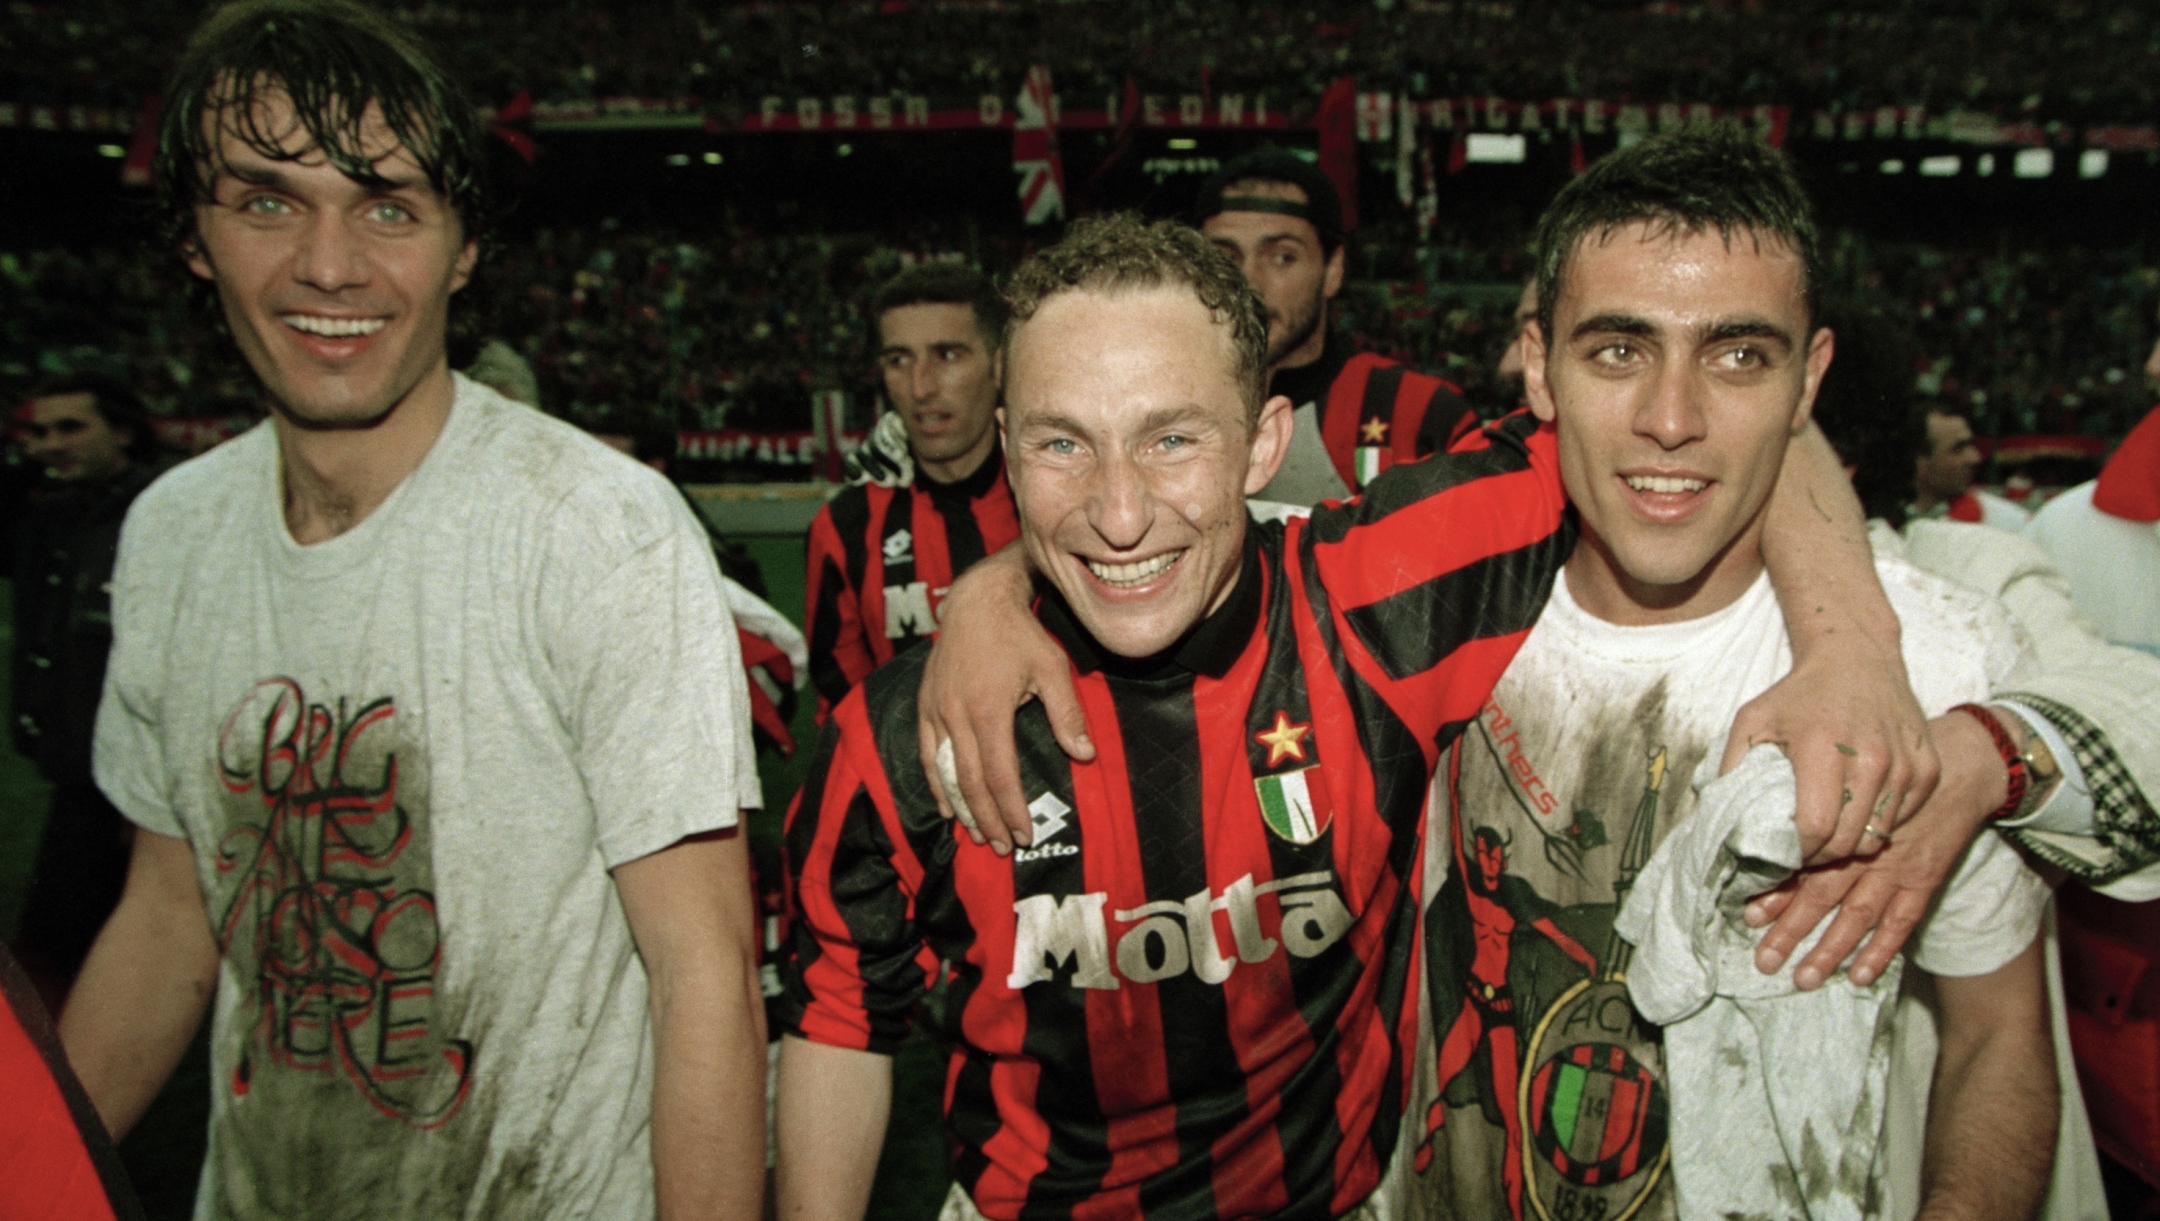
x=428 y=707
x=1677 y=355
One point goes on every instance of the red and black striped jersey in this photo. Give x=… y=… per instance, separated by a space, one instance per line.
x=1190 y=997
x=1375 y=412
x=881 y=560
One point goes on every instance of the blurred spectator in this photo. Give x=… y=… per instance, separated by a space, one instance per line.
x=91 y=436
x=2017 y=57
x=736 y=326
x=501 y=369
x=1943 y=473
x=2103 y=535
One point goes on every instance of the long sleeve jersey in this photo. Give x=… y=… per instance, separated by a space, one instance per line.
x=1190 y=996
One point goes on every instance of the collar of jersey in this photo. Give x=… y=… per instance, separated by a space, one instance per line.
x=1309 y=383
x=977 y=484
x=1212 y=646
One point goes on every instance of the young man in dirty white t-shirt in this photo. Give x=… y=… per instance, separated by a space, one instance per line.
x=429 y=711
x=1682 y=360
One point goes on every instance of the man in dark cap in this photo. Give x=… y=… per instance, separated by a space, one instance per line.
x=1280 y=218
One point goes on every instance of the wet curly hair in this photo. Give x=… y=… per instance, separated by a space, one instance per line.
x=1123 y=251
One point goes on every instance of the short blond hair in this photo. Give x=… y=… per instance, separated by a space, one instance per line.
x=1120 y=251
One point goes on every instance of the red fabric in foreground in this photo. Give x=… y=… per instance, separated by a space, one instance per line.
x=1967 y=508
x=45 y=1169
x=2110 y=952
x=2130 y=483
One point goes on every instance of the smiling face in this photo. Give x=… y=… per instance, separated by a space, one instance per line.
x=1283 y=258
x=938 y=374
x=1131 y=456
x=1681 y=366
x=338 y=293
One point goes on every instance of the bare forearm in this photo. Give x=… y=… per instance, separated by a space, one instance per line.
x=1993 y=1115
x=1845 y=715
x=1815 y=545
x=709 y=1095
x=690 y=912
x=143 y=990
x=833 y=1106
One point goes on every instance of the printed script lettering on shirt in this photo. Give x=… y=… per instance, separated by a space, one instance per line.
x=326 y=906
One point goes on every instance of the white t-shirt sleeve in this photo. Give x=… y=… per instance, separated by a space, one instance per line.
x=1985 y=916
x=128 y=750
x=1960 y=645
x=653 y=691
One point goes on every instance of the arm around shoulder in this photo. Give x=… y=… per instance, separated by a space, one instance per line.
x=1846 y=714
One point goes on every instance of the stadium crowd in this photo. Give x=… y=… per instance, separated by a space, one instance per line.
x=2078 y=62
x=734 y=328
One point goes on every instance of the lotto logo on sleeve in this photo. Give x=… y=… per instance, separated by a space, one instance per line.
x=1070 y=933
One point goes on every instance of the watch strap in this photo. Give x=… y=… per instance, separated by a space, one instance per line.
x=2013 y=758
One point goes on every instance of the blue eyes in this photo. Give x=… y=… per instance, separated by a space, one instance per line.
x=382 y=212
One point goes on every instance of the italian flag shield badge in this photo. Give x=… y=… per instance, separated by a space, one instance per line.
x=1295 y=804
x=1369 y=461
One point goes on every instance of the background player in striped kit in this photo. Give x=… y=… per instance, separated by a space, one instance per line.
x=883 y=553
x=1356 y=413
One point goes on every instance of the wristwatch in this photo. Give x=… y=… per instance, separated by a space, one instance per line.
x=2033 y=770
x=2042 y=772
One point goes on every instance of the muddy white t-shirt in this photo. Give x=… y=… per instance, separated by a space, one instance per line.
x=406 y=759
x=1539 y=1094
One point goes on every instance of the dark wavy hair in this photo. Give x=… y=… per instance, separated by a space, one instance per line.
x=1681 y=183
x=115 y=402
x=331 y=59
x=1122 y=251
x=947 y=284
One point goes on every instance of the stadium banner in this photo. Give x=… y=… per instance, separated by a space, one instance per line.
x=1379 y=114
x=1381 y=117
x=914 y=112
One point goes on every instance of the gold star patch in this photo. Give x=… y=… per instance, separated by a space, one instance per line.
x=1374 y=430
x=1286 y=740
